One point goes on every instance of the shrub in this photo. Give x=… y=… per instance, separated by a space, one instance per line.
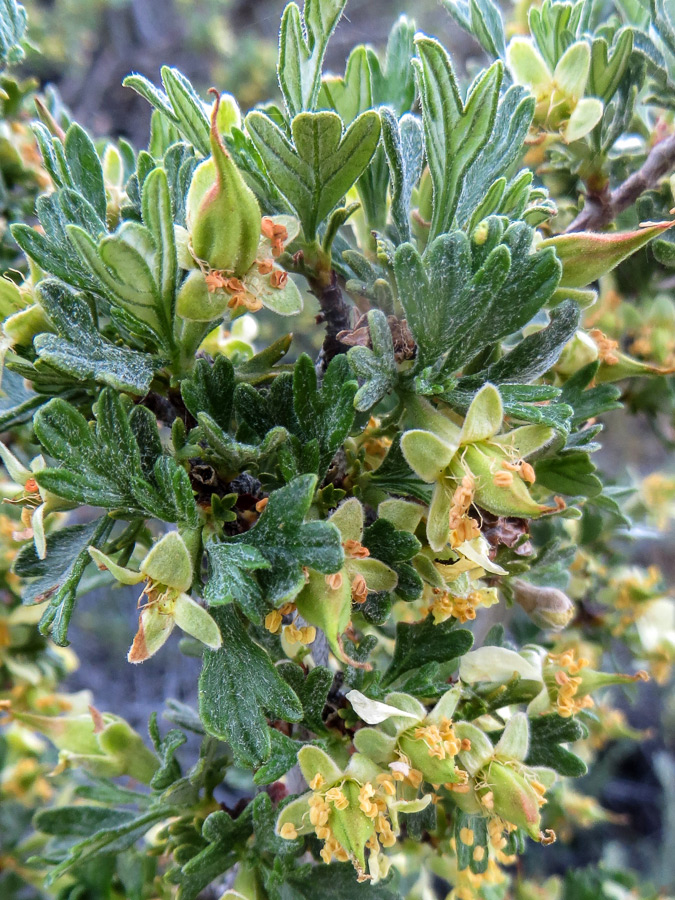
x=397 y=560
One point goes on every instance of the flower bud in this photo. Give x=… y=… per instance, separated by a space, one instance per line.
x=327 y=606
x=546 y=606
x=223 y=215
x=22 y=327
x=228 y=114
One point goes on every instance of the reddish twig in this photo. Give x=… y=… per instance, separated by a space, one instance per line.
x=600 y=211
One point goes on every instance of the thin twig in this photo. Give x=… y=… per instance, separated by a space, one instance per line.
x=600 y=211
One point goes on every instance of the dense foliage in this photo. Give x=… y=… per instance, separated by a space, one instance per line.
x=397 y=560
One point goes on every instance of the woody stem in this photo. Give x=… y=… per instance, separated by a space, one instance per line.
x=600 y=211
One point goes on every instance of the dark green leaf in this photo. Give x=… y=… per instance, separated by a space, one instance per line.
x=56 y=578
x=79 y=821
x=312 y=691
x=547 y=733
x=80 y=351
x=326 y=413
x=85 y=168
x=284 y=757
x=424 y=642
x=210 y=389
x=231 y=579
x=455 y=132
x=570 y=473
x=238 y=684
x=288 y=542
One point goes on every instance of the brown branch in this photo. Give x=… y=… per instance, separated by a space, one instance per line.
x=601 y=210
x=336 y=315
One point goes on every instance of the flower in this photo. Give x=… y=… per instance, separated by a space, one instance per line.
x=223 y=216
x=102 y=743
x=350 y=810
x=167 y=572
x=561 y=105
x=504 y=787
x=326 y=601
x=469 y=465
x=37 y=503
x=422 y=750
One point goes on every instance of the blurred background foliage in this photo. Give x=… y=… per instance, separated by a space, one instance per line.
x=86 y=47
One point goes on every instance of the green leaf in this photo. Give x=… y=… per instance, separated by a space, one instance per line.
x=80 y=351
x=95 y=470
x=303 y=39
x=237 y=685
x=534 y=355
x=13 y=21
x=56 y=577
x=124 y=272
x=335 y=882
x=180 y=106
x=223 y=836
x=455 y=131
x=188 y=108
x=284 y=757
x=325 y=414
x=169 y=769
x=395 y=548
x=608 y=68
x=289 y=543
x=321 y=165
x=109 y=841
x=231 y=580
x=376 y=368
x=423 y=642
x=53 y=251
x=499 y=155
x=102 y=466
x=547 y=733
x=459 y=298
x=210 y=388
x=312 y=691
x=80 y=820
x=85 y=169
x=403 y=143
x=232 y=454
x=586 y=402
x=158 y=219
x=483 y=20
x=570 y=473
x=17 y=402
x=352 y=94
